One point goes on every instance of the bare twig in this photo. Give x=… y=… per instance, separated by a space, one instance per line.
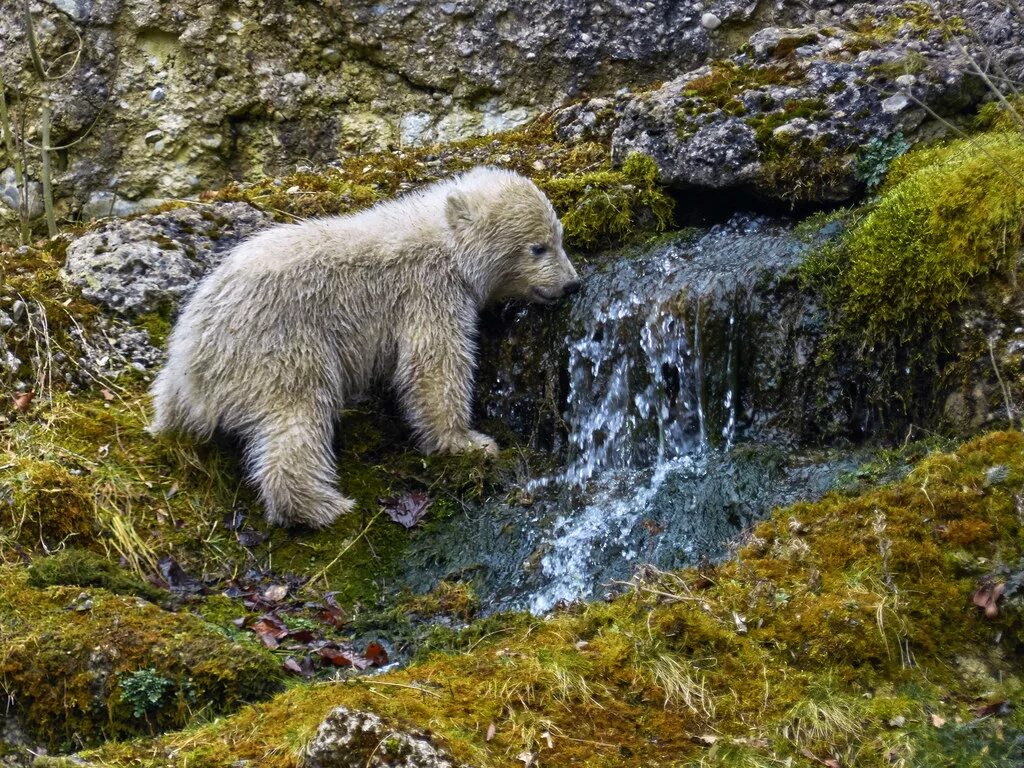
x=16 y=161
x=51 y=216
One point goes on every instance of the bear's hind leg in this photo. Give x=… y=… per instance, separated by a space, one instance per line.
x=291 y=461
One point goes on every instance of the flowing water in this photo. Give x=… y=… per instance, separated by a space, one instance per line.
x=669 y=452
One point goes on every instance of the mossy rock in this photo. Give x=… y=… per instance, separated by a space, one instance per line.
x=943 y=238
x=82 y=568
x=601 y=206
x=65 y=653
x=844 y=630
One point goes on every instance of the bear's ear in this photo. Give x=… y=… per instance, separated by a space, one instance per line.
x=458 y=212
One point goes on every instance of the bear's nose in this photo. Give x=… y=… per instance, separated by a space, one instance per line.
x=570 y=288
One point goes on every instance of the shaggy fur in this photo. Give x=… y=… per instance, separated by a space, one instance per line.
x=301 y=319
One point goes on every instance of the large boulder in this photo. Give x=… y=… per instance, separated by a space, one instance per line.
x=811 y=113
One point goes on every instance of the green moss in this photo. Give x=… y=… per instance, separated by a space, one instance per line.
x=454 y=599
x=942 y=235
x=726 y=80
x=78 y=567
x=600 y=205
x=602 y=208
x=948 y=217
x=65 y=657
x=996 y=116
x=838 y=632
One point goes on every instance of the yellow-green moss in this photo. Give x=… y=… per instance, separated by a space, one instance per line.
x=82 y=568
x=837 y=633
x=63 y=649
x=948 y=216
x=608 y=207
x=600 y=205
x=449 y=598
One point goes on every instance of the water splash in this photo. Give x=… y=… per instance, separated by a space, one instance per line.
x=638 y=404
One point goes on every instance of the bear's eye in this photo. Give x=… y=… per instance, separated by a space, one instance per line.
x=539 y=249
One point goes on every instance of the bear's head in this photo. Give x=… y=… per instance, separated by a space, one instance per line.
x=510 y=237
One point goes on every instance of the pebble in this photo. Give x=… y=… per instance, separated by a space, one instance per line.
x=710 y=21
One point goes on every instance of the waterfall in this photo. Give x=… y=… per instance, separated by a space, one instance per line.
x=636 y=411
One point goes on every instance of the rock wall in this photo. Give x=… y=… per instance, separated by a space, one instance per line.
x=169 y=98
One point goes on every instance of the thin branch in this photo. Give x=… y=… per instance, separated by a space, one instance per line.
x=33 y=49
x=19 y=171
x=47 y=173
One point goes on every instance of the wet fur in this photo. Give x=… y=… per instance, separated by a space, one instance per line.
x=301 y=319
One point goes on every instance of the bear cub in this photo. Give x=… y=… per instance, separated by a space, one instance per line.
x=301 y=319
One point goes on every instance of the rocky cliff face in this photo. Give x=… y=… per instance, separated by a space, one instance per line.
x=169 y=98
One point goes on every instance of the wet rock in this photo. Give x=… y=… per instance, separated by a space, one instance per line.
x=348 y=739
x=141 y=265
x=875 y=74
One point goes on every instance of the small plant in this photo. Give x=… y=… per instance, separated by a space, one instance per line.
x=875 y=158
x=144 y=690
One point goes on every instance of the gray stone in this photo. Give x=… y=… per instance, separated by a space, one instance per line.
x=348 y=739
x=194 y=68
x=141 y=264
x=709 y=21
x=846 y=94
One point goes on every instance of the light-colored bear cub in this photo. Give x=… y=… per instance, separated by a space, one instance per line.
x=301 y=319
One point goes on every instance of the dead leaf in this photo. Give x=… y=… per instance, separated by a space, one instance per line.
x=234 y=520
x=23 y=400
x=988 y=596
x=376 y=655
x=491 y=730
x=250 y=538
x=653 y=527
x=107 y=395
x=407 y=510
x=303 y=668
x=938 y=720
x=269 y=624
x=995 y=708
x=526 y=758
x=268 y=640
x=336 y=656
x=176 y=578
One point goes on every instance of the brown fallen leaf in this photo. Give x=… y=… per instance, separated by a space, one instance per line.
x=22 y=400
x=407 y=510
x=268 y=640
x=995 y=708
x=335 y=656
x=269 y=624
x=987 y=598
x=303 y=668
x=376 y=655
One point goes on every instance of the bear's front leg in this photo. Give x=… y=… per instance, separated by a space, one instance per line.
x=434 y=380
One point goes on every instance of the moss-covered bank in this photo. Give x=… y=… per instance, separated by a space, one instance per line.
x=68 y=655
x=600 y=206
x=845 y=632
x=940 y=245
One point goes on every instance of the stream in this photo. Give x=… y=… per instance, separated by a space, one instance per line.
x=674 y=442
